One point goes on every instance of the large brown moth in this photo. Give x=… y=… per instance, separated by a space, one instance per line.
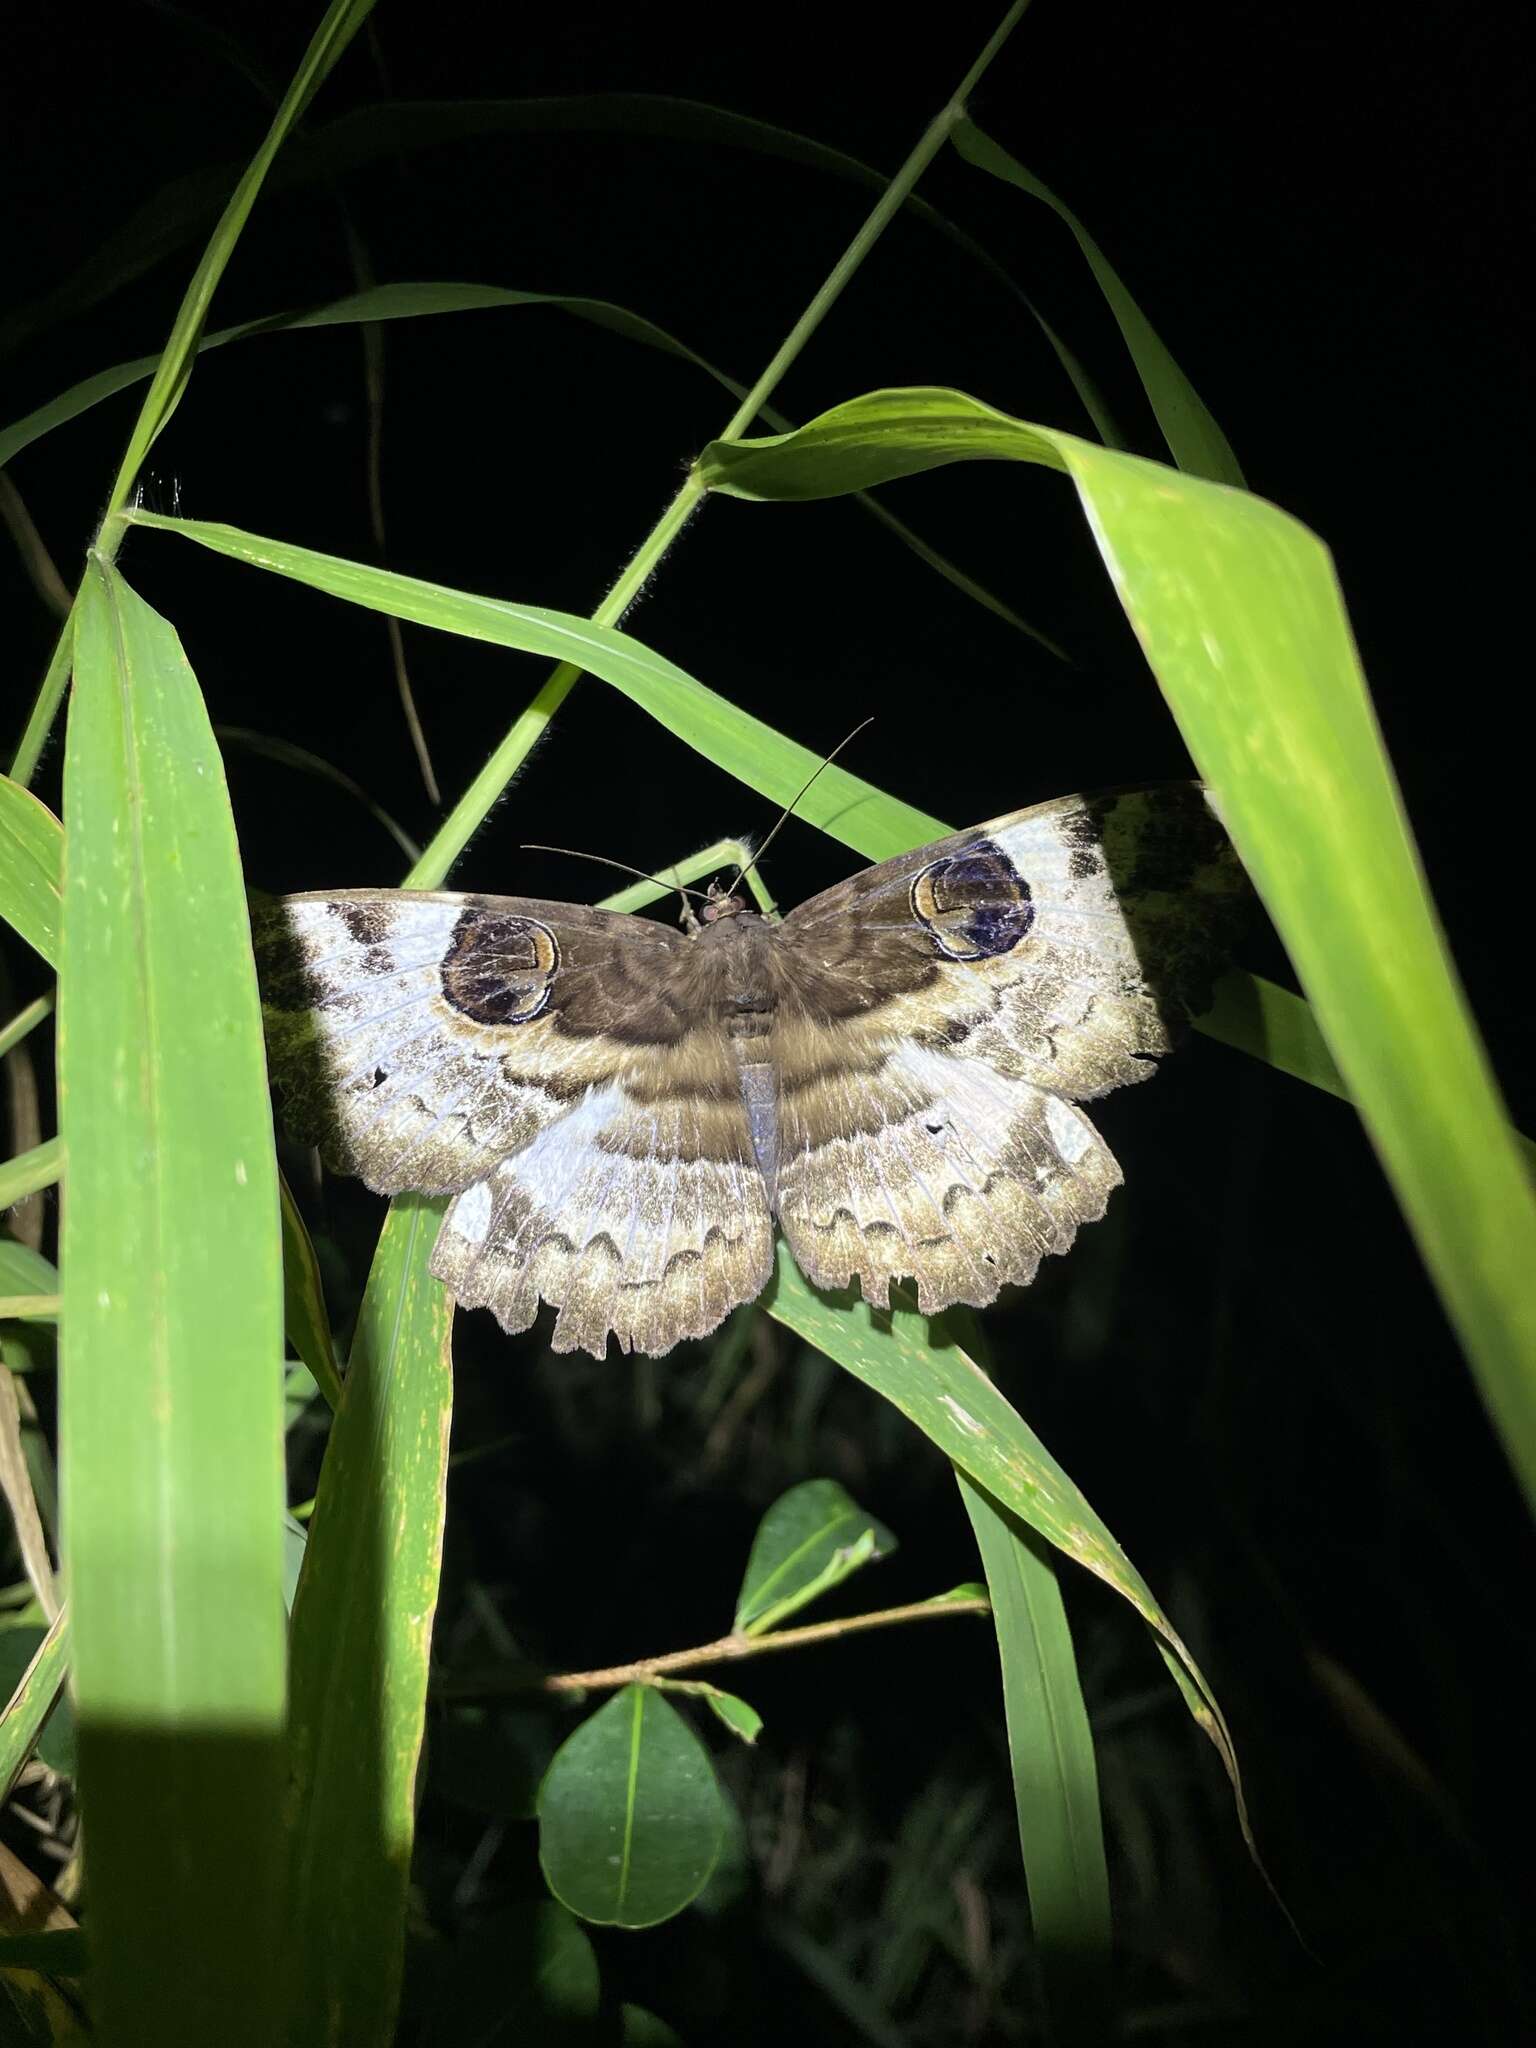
x=622 y=1110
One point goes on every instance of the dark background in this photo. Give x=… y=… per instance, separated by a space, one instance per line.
x=1327 y=218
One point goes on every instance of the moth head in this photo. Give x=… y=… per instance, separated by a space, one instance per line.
x=720 y=903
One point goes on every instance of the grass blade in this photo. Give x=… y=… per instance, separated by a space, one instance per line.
x=1239 y=614
x=31 y=857
x=170 y=1401
x=765 y=760
x=32 y=1702
x=29 y=1171
x=341 y=21
x=1055 y=1778
x=915 y=1364
x=362 y=1629
x=1195 y=441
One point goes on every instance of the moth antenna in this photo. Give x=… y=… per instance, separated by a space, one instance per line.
x=623 y=866
x=788 y=812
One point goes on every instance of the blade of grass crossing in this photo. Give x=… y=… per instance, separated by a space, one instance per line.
x=1055 y=1779
x=170 y=1406
x=362 y=1630
x=1239 y=614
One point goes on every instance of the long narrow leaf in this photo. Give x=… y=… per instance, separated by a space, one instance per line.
x=31 y=856
x=1055 y=1779
x=912 y=1361
x=1194 y=439
x=362 y=1629
x=744 y=746
x=170 y=1401
x=1239 y=614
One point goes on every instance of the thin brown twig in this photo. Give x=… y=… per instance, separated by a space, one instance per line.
x=725 y=1649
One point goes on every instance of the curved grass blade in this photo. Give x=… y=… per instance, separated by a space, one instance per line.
x=32 y=1702
x=1055 y=1777
x=170 y=1405
x=290 y=756
x=1194 y=439
x=304 y=1313
x=630 y=1817
x=31 y=859
x=409 y=301
x=362 y=1630
x=745 y=747
x=1239 y=614
x=914 y=1362
x=29 y=1171
x=341 y=21
x=354 y=140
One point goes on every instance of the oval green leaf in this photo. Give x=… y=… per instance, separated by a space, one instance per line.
x=811 y=1539
x=630 y=1816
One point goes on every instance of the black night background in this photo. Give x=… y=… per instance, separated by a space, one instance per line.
x=1327 y=217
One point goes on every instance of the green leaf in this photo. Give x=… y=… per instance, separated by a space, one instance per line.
x=1195 y=441
x=304 y=1317
x=1055 y=1778
x=641 y=2029
x=914 y=1362
x=170 y=1402
x=362 y=1629
x=31 y=856
x=630 y=1816
x=29 y=1171
x=33 y=1694
x=56 y=1733
x=810 y=1540
x=1239 y=614
x=739 y=1715
x=341 y=21
x=384 y=302
x=855 y=811
x=526 y=1975
x=972 y=1589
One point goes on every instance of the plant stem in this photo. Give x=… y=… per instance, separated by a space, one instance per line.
x=728 y=1648
x=475 y=805
x=24 y=1021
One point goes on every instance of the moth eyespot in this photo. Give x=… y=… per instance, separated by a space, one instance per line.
x=379 y=1077
x=499 y=968
x=934 y=1130
x=975 y=904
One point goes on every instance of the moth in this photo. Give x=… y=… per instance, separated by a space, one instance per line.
x=623 y=1110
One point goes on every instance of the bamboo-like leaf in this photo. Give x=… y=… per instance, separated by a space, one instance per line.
x=32 y=1702
x=914 y=1363
x=304 y=1314
x=362 y=1630
x=31 y=856
x=744 y=746
x=341 y=21
x=408 y=300
x=1055 y=1778
x=29 y=1171
x=1195 y=440
x=810 y=1540
x=170 y=1404
x=630 y=1816
x=21 y=1672
x=1239 y=614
